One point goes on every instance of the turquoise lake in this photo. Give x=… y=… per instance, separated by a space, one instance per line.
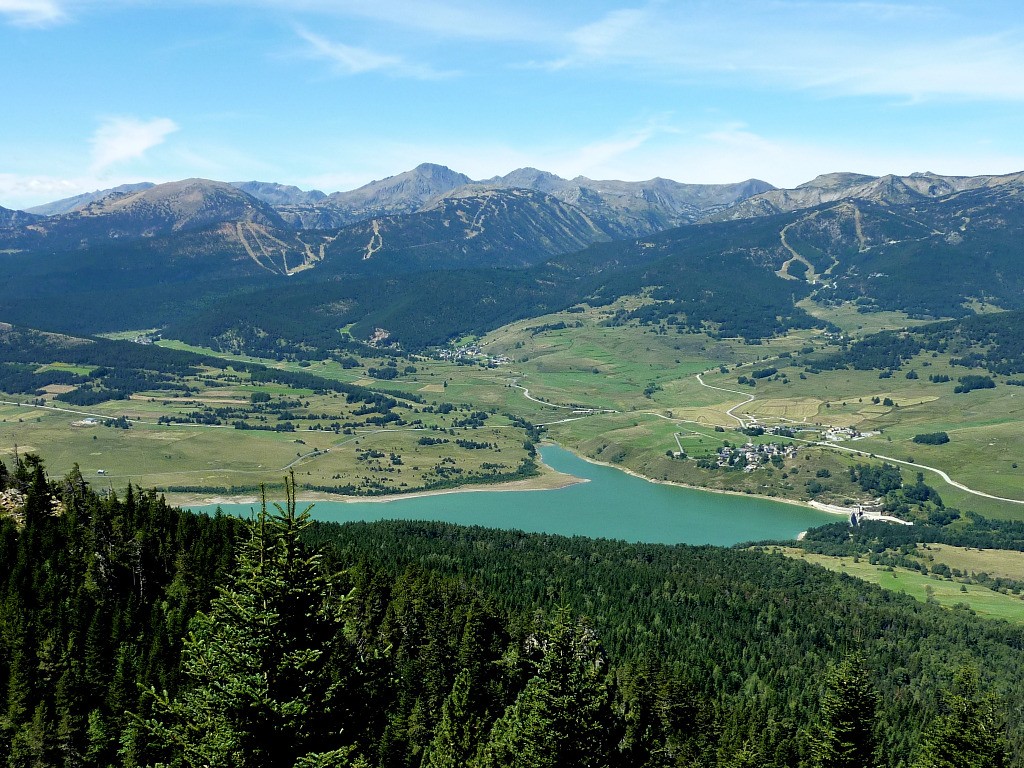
x=612 y=504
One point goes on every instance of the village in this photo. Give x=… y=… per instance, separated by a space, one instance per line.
x=751 y=456
x=472 y=353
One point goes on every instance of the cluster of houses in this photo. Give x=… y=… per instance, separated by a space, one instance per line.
x=474 y=353
x=752 y=456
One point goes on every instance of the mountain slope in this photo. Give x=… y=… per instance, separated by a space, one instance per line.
x=178 y=205
x=206 y=254
x=932 y=258
x=179 y=221
x=885 y=190
x=69 y=204
x=15 y=219
x=507 y=228
x=618 y=208
x=631 y=209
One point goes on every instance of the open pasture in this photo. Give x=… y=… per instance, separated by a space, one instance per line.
x=948 y=593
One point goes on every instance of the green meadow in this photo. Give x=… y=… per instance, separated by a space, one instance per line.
x=946 y=592
x=624 y=394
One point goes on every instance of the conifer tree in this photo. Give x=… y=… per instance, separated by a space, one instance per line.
x=259 y=668
x=845 y=736
x=563 y=717
x=969 y=733
x=455 y=738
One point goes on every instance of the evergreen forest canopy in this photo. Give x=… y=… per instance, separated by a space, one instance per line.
x=132 y=633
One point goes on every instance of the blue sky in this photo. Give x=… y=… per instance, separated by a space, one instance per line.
x=331 y=94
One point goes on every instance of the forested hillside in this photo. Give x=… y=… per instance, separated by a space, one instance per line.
x=415 y=644
x=208 y=262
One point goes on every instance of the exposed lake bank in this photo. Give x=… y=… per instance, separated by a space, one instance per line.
x=585 y=498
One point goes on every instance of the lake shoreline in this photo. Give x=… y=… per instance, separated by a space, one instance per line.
x=676 y=484
x=608 y=504
x=550 y=480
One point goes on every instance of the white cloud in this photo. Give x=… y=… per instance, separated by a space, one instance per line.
x=352 y=60
x=120 y=139
x=906 y=50
x=32 y=12
x=448 y=19
x=20 y=192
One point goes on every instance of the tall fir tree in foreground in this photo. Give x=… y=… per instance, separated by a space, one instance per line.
x=845 y=736
x=264 y=669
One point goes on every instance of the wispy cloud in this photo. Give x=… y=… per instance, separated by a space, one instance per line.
x=899 y=50
x=353 y=60
x=17 y=191
x=446 y=19
x=120 y=139
x=32 y=13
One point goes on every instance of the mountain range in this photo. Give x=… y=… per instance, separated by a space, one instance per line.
x=617 y=208
x=431 y=253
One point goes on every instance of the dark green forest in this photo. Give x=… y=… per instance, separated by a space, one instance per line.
x=992 y=342
x=133 y=633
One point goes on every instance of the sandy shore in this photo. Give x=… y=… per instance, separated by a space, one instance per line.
x=833 y=509
x=549 y=480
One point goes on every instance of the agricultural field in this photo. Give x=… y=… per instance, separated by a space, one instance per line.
x=226 y=434
x=630 y=395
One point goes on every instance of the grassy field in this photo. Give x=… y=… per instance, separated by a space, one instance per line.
x=858 y=324
x=642 y=379
x=997 y=563
x=945 y=592
x=327 y=441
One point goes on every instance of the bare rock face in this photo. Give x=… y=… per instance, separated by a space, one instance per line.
x=279 y=194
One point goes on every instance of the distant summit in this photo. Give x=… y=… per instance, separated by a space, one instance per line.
x=885 y=190
x=405 y=193
x=76 y=203
x=279 y=194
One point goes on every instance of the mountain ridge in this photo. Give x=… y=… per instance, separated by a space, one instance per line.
x=889 y=189
x=77 y=202
x=617 y=208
